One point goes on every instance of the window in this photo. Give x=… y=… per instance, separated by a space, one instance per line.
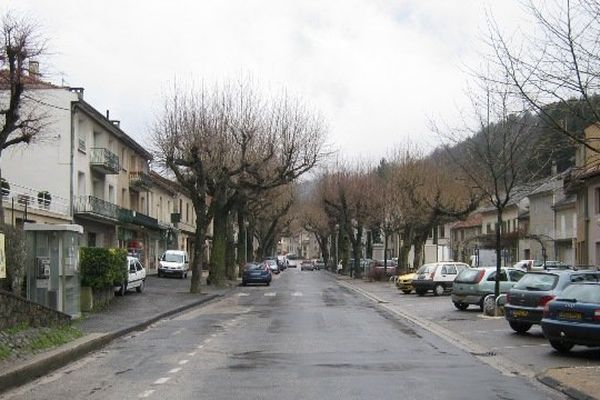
x=187 y=212
x=123 y=159
x=503 y=277
x=597 y=200
x=516 y=275
x=91 y=239
x=450 y=269
x=442 y=231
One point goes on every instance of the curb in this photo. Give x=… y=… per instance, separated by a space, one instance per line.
x=563 y=388
x=66 y=354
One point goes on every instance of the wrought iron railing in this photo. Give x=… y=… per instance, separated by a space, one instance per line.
x=140 y=179
x=96 y=206
x=102 y=157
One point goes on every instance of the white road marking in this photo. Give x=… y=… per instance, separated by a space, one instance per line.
x=192 y=354
x=243 y=294
x=147 y=393
x=200 y=346
x=271 y=294
x=183 y=362
x=207 y=340
x=177 y=332
x=175 y=370
x=213 y=335
x=160 y=381
x=297 y=294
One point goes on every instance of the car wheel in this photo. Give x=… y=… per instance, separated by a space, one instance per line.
x=268 y=283
x=561 y=347
x=244 y=283
x=406 y=291
x=460 y=306
x=185 y=275
x=519 y=327
x=140 y=288
x=438 y=289
x=159 y=274
x=123 y=289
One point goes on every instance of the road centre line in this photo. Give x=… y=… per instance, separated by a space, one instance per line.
x=200 y=346
x=271 y=294
x=243 y=294
x=297 y=294
x=160 y=381
x=183 y=362
x=145 y=394
x=192 y=354
x=175 y=370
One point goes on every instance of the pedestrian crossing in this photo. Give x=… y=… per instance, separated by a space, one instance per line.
x=270 y=294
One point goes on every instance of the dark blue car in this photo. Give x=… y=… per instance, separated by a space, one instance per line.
x=256 y=273
x=574 y=317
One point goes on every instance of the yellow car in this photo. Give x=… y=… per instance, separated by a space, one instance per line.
x=404 y=282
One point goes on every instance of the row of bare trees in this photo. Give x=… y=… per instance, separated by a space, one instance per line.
x=235 y=150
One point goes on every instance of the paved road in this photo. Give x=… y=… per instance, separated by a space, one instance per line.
x=304 y=337
x=530 y=350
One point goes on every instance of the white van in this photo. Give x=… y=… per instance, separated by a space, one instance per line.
x=174 y=262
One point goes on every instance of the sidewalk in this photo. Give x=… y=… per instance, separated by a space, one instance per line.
x=162 y=297
x=579 y=383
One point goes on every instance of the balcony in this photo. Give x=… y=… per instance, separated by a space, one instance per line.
x=139 y=180
x=133 y=217
x=104 y=161
x=95 y=207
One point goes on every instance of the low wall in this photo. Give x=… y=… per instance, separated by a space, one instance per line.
x=15 y=310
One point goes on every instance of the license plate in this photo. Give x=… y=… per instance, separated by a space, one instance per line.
x=520 y=313
x=572 y=315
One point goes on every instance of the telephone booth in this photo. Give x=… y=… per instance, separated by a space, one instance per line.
x=53 y=266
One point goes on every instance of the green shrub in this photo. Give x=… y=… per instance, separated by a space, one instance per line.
x=15 y=260
x=101 y=268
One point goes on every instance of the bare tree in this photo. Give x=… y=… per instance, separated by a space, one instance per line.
x=21 y=46
x=494 y=154
x=556 y=68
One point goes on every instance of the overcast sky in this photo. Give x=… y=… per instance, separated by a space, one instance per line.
x=376 y=69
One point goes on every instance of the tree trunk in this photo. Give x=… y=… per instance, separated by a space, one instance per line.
x=219 y=248
x=1 y=201
x=498 y=252
x=230 y=261
x=241 y=256
x=369 y=244
x=198 y=255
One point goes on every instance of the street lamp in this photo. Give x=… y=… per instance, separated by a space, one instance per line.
x=337 y=250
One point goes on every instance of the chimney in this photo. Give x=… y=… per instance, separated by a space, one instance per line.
x=108 y=114
x=34 y=68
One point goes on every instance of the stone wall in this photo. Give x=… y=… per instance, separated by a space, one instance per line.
x=15 y=310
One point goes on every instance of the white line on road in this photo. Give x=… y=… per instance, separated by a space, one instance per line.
x=177 y=332
x=200 y=346
x=243 y=294
x=160 y=381
x=297 y=294
x=271 y=294
x=192 y=354
x=175 y=370
x=145 y=394
x=183 y=362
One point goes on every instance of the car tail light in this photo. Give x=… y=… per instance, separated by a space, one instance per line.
x=479 y=276
x=547 y=309
x=544 y=300
x=597 y=314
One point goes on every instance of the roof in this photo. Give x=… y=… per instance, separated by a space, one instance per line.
x=472 y=221
x=29 y=81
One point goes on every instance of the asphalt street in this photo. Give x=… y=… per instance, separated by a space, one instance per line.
x=303 y=337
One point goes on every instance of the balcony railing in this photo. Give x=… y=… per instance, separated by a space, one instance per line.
x=140 y=180
x=23 y=197
x=134 y=217
x=94 y=206
x=104 y=160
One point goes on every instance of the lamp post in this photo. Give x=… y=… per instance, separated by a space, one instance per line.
x=337 y=250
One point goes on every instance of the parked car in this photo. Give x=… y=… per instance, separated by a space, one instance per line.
x=526 y=300
x=404 y=282
x=174 y=262
x=292 y=260
x=282 y=262
x=574 y=317
x=256 y=273
x=272 y=264
x=379 y=265
x=306 y=265
x=437 y=277
x=529 y=265
x=471 y=286
x=136 y=277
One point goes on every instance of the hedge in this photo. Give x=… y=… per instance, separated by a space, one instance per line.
x=101 y=267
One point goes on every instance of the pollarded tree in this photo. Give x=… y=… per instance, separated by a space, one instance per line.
x=20 y=47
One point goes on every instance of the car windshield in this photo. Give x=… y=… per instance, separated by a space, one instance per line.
x=539 y=282
x=468 y=275
x=582 y=293
x=426 y=269
x=170 y=257
x=270 y=262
